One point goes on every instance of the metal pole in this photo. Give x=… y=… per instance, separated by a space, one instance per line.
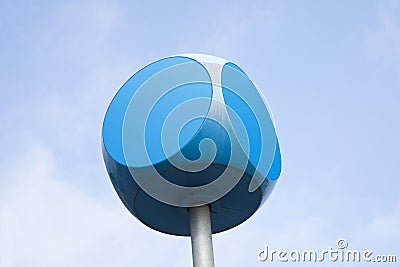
x=201 y=236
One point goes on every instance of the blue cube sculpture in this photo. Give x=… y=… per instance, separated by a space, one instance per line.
x=190 y=130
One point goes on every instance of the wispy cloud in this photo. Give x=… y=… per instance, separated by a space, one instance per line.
x=63 y=63
x=47 y=221
x=383 y=39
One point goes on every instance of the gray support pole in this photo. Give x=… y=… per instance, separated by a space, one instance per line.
x=201 y=236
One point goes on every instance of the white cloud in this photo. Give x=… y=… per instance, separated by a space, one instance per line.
x=383 y=40
x=241 y=27
x=57 y=206
x=47 y=221
x=382 y=232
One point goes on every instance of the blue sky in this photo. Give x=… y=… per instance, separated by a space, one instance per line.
x=330 y=71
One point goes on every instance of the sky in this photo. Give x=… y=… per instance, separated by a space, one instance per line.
x=330 y=71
